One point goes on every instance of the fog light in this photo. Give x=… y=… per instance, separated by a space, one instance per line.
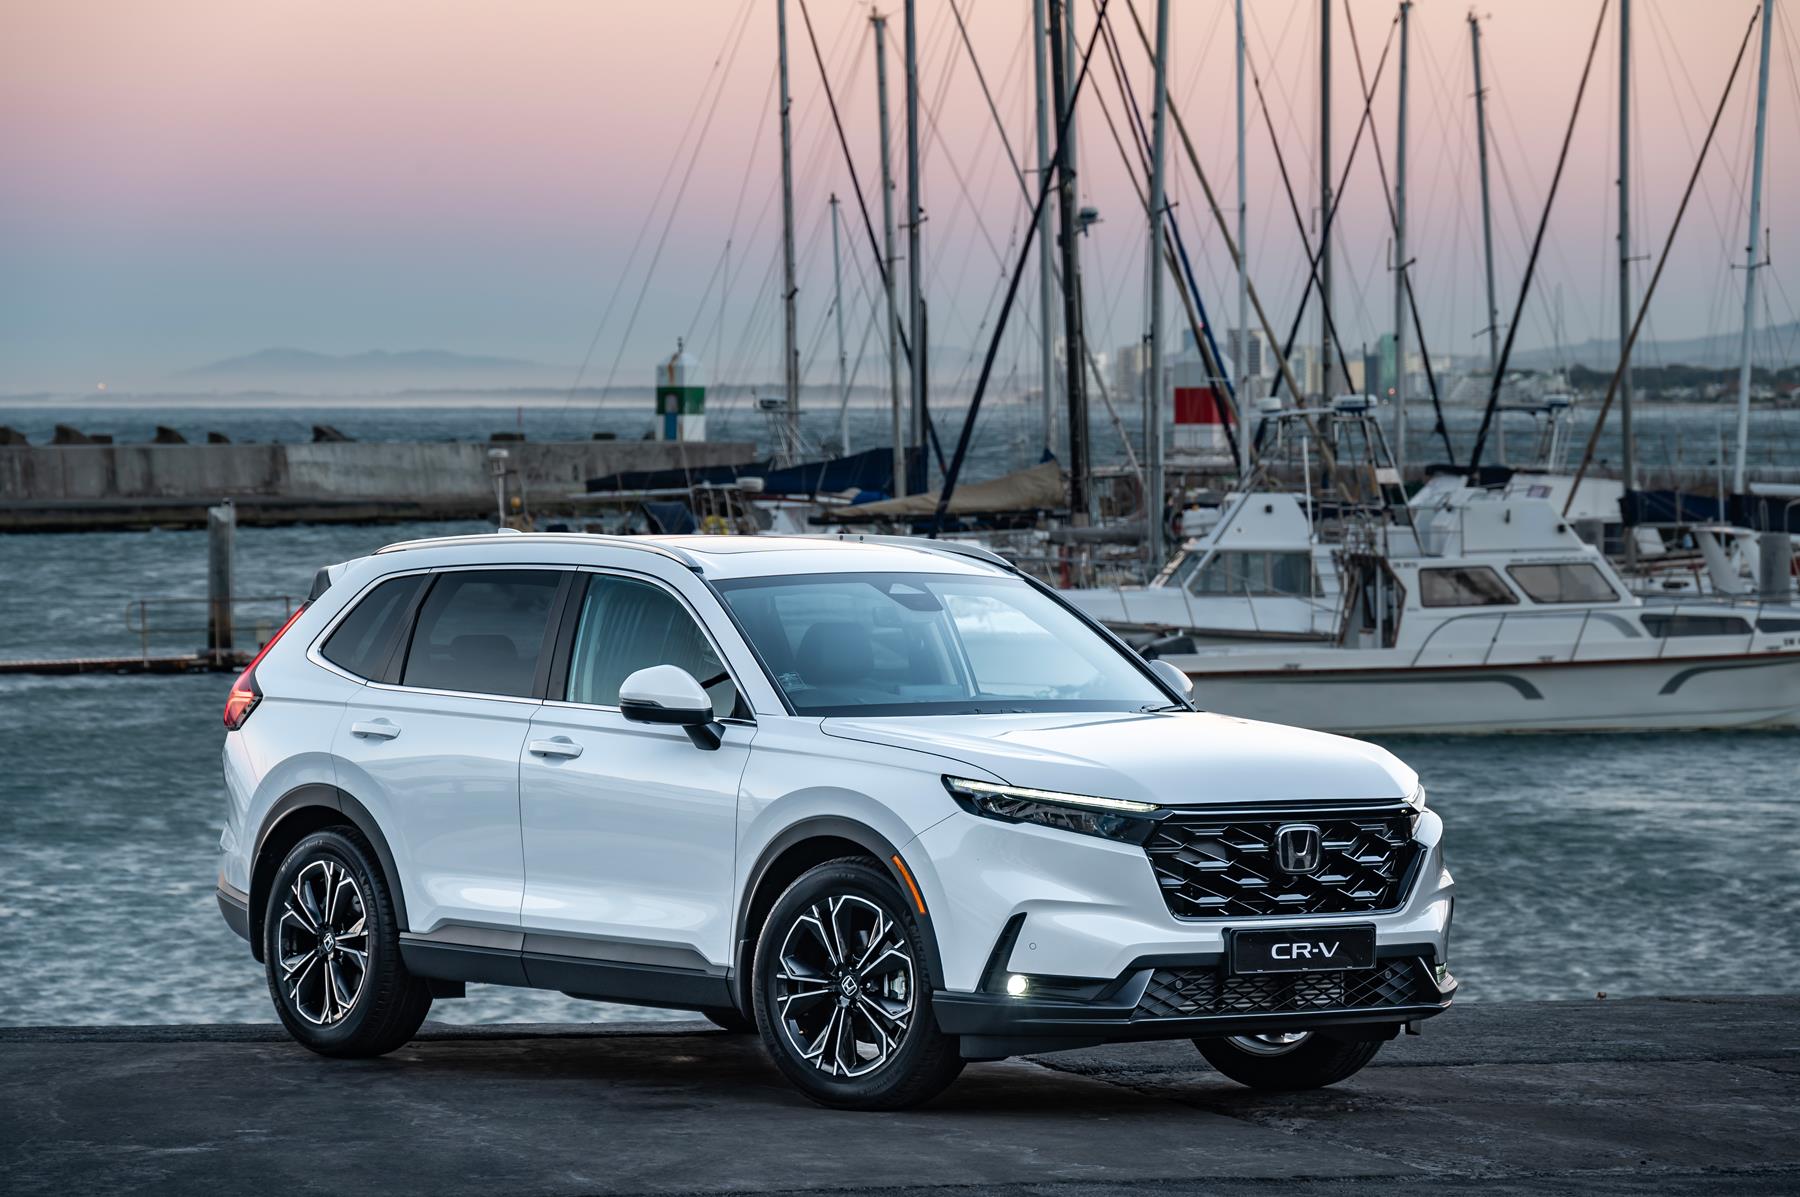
x=1015 y=985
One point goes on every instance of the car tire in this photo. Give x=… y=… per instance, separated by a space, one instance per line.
x=843 y=992
x=1310 y=1061
x=727 y=1018
x=331 y=949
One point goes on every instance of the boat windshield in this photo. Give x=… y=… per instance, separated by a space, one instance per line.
x=931 y=644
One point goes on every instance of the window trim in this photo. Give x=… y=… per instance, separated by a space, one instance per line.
x=315 y=651
x=403 y=644
x=556 y=677
x=1612 y=596
x=1512 y=597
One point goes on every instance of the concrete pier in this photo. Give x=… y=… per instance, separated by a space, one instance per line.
x=1676 y=1095
x=79 y=487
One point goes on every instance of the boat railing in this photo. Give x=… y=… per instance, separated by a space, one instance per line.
x=1751 y=607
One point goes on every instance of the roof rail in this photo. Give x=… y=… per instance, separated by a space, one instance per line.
x=952 y=548
x=513 y=537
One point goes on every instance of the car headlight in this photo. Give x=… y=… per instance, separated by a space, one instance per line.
x=1086 y=814
x=1416 y=799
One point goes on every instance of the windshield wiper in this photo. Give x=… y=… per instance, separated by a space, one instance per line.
x=1151 y=708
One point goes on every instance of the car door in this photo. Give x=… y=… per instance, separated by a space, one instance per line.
x=433 y=750
x=630 y=829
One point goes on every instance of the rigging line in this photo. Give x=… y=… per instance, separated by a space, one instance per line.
x=1543 y=311
x=752 y=334
x=737 y=208
x=1327 y=458
x=1058 y=166
x=1512 y=327
x=1313 y=281
x=1024 y=188
x=1405 y=281
x=981 y=78
x=662 y=240
x=862 y=202
x=1661 y=261
x=1195 y=306
x=743 y=22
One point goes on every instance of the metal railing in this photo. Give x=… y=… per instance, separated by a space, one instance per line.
x=1750 y=609
x=255 y=618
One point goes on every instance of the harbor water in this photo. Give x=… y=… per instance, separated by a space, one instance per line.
x=1625 y=865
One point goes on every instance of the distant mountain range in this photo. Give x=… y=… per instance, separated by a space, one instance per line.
x=305 y=369
x=1775 y=346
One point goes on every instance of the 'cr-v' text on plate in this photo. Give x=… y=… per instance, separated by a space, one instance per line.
x=1303 y=949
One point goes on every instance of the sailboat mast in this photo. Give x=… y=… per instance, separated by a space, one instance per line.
x=887 y=251
x=1750 y=253
x=1326 y=355
x=914 y=218
x=790 y=355
x=1046 y=271
x=1153 y=405
x=1075 y=383
x=837 y=307
x=1487 y=221
x=1628 y=452
x=1400 y=255
x=1241 y=353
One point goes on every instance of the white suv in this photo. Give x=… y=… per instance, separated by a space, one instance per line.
x=888 y=802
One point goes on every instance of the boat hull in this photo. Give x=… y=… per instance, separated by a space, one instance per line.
x=1737 y=691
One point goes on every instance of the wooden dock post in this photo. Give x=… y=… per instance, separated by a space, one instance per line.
x=221 y=528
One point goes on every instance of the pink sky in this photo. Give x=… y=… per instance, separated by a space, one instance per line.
x=192 y=179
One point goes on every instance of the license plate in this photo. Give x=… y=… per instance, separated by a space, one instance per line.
x=1303 y=949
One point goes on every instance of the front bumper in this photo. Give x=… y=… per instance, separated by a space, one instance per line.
x=1197 y=997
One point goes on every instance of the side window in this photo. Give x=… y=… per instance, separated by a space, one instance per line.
x=627 y=626
x=1475 y=586
x=1574 y=582
x=362 y=640
x=1237 y=572
x=480 y=631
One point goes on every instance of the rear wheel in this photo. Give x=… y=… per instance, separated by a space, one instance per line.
x=843 y=999
x=331 y=948
x=1287 y=1060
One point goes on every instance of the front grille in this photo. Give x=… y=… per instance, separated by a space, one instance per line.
x=1196 y=992
x=1223 y=865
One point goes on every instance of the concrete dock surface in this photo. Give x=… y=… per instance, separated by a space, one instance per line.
x=1677 y=1095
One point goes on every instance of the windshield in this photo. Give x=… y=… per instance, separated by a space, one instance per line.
x=931 y=644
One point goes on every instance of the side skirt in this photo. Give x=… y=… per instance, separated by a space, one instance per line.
x=598 y=980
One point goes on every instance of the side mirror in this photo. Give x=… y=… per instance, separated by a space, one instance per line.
x=668 y=694
x=1183 y=684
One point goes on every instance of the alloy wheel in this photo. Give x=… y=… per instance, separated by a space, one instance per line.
x=323 y=938
x=1279 y=1044
x=845 y=986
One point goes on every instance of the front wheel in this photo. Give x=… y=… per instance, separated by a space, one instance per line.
x=331 y=945
x=1291 y=1060
x=843 y=998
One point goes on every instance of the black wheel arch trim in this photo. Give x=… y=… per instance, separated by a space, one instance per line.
x=831 y=827
x=318 y=795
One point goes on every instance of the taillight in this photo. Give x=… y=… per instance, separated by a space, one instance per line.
x=245 y=693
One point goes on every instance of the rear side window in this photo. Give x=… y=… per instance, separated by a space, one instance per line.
x=1574 y=582
x=1471 y=586
x=362 y=641
x=627 y=626
x=480 y=631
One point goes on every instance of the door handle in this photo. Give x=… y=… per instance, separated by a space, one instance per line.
x=379 y=729
x=560 y=746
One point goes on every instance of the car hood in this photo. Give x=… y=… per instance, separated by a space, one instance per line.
x=1173 y=758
